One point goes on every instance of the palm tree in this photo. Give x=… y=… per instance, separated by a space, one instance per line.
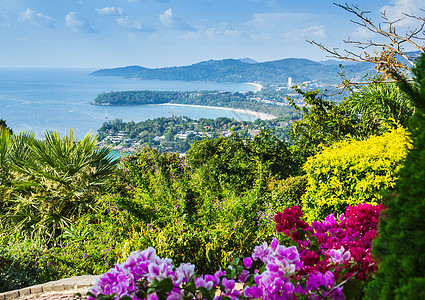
x=377 y=104
x=55 y=180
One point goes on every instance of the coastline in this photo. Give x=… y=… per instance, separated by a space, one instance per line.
x=259 y=115
x=259 y=86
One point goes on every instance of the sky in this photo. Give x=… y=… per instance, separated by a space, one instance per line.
x=165 y=33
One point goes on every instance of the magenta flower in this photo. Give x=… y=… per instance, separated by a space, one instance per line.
x=247 y=262
x=253 y=292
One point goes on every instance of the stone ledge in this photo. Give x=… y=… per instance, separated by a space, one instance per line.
x=77 y=284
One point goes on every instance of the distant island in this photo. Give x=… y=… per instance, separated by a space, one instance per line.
x=232 y=100
x=247 y=70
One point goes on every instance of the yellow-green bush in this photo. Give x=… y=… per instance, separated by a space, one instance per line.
x=352 y=172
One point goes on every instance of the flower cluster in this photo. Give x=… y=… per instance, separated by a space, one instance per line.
x=343 y=244
x=324 y=257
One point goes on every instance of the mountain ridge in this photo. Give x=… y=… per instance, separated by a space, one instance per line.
x=244 y=70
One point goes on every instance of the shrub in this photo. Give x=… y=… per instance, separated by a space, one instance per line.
x=18 y=263
x=86 y=247
x=159 y=185
x=352 y=172
x=227 y=228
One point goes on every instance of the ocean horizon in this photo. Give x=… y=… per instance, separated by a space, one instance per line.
x=41 y=99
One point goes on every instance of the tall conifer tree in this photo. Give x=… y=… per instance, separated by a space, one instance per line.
x=400 y=247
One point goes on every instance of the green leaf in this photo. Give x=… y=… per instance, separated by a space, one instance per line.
x=353 y=289
x=205 y=293
x=165 y=285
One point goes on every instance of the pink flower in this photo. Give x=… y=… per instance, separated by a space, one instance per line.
x=339 y=256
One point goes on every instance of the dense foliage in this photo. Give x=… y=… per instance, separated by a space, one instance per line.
x=377 y=106
x=351 y=172
x=168 y=202
x=399 y=250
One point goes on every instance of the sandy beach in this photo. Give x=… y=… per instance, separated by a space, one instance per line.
x=259 y=115
x=259 y=86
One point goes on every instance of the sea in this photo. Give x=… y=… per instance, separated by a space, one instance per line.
x=45 y=99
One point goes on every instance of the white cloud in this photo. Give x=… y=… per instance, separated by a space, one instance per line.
x=173 y=22
x=110 y=11
x=133 y=24
x=79 y=23
x=36 y=18
x=315 y=31
x=396 y=10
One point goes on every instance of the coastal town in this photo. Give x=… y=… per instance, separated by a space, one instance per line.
x=176 y=134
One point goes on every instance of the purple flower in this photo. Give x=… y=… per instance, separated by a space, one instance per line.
x=229 y=285
x=253 y=292
x=219 y=273
x=115 y=281
x=274 y=244
x=262 y=252
x=200 y=281
x=247 y=262
x=243 y=276
x=319 y=279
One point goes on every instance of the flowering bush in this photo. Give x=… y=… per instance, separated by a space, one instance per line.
x=327 y=258
x=351 y=172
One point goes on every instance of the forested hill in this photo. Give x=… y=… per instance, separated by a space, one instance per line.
x=234 y=70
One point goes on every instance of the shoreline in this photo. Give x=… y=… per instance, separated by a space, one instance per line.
x=259 y=115
x=259 y=86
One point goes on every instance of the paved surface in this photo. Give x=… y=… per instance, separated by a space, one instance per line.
x=64 y=289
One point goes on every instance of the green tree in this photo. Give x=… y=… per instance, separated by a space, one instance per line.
x=323 y=123
x=237 y=163
x=399 y=248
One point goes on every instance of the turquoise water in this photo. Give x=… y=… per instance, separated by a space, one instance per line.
x=44 y=99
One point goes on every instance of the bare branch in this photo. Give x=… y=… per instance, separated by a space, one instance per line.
x=385 y=56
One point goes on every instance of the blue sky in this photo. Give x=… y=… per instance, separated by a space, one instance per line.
x=161 y=33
